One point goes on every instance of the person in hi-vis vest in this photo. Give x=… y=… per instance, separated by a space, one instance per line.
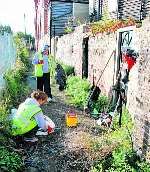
x=42 y=71
x=29 y=115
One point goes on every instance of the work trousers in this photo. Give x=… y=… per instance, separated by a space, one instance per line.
x=43 y=84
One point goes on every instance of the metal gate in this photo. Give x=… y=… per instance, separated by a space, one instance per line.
x=125 y=41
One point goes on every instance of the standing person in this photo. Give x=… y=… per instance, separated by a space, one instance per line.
x=42 y=71
x=29 y=115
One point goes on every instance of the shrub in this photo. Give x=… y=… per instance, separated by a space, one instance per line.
x=109 y=26
x=101 y=104
x=122 y=157
x=15 y=87
x=69 y=70
x=22 y=50
x=78 y=90
x=9 y=161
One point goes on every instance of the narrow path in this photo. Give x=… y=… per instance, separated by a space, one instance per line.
x=67 y=150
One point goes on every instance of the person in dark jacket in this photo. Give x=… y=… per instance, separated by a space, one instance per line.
x=60 y=77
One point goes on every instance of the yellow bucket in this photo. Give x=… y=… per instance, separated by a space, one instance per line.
x=71 y=119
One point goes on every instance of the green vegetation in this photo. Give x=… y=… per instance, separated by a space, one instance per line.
x=11 y=96
x=101 y=104
x=9 y=161
x=119 y=154
x=69 y=70
x=5 y=29
x=109 y=26
x=77 y=90
x=21 y=41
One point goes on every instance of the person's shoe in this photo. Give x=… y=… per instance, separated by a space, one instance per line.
x=33 y=139
x=41 y=132
x=51 y=99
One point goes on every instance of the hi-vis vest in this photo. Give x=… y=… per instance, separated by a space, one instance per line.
x=24 y=120
x=38 y=68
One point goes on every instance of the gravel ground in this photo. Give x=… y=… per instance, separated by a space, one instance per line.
x=66 y=150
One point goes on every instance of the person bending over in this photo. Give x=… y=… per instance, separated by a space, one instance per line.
x=29 y=115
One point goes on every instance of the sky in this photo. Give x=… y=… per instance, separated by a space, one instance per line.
x=12 y=14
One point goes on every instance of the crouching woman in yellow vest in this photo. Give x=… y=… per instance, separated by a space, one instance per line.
x=29 y=115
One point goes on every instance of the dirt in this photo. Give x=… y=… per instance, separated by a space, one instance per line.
x=67 y=149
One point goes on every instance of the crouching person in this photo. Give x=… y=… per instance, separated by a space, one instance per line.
x=29 y=116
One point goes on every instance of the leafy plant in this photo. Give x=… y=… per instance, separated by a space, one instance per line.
x=69 y=70
x=77 y=89
x=110 y=26
x=15 y=87
x=101 y=104
x=9 y=161
x=122 y=158
x=22 y=50
x=4 y=29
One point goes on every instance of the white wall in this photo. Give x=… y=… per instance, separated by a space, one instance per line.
x=7 y=55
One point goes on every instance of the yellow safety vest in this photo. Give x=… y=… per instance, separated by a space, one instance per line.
x=24 y=120
x=38 y=68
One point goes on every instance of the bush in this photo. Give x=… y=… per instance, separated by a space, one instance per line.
x=9 y=161
x=101 y=104
x=69 y=70
x=78 y=90
x=122 y=157
x=22 y=50
x=11 y=96
x=15 y=87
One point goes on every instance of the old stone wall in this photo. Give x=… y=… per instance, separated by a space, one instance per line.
x=70 y=51
x=139 y=90
x=101 y=48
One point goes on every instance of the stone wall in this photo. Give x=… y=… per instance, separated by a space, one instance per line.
x=139 y=90
x=100 y=50
x=100 y=47
x=69 y=49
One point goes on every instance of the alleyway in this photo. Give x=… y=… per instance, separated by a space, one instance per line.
x=67 y=149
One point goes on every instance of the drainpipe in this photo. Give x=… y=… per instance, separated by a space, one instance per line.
x=118 y=9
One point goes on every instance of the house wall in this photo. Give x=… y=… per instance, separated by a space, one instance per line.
x=69 y=49
x=41 y=21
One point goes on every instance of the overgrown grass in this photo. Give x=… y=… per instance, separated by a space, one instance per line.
x=77 y=90
x=69 y=70
x=9 y=161
x=120 y=155
x=12 y=96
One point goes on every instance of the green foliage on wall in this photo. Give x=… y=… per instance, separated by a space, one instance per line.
x=5 y=29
